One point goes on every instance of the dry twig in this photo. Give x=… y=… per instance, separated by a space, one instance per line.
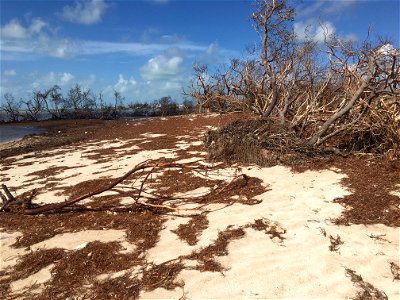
x=141 y=172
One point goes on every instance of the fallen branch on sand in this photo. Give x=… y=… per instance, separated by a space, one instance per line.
x=7 y=197
x=141 y=171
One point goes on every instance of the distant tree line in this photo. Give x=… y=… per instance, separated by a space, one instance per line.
x=80 y=103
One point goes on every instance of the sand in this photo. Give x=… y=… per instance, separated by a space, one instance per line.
x=258 y=265
x=301 y=266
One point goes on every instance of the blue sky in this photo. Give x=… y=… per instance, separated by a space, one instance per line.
x=146 y=49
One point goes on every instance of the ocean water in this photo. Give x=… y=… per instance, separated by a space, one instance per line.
x=10 y=133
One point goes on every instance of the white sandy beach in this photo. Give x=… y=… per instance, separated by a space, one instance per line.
x=257 y=266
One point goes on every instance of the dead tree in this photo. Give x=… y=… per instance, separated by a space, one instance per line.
x=272 y=21
x=365 y=76
x=349 y=97
x=54 y=102
x=201 y=88
x=253 y=84
x=34 y=106
x=11 y=107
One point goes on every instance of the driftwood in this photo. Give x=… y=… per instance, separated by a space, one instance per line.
x=72 y=205
x=7 y=197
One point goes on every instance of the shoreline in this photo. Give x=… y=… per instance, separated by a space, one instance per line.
x=64 y=132
x=55 y=133
x=18 y=132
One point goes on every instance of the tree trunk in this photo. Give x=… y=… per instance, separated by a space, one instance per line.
x=324 y=128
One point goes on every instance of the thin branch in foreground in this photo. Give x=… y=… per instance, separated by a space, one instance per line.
x=141 y=172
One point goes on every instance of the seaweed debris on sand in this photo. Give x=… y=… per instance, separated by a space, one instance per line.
x=235 y=238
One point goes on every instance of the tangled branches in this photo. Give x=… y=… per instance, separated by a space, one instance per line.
x=378 y=132
x=140 y=176
x=347 y=99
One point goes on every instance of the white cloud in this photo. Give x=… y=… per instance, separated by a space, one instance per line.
x=300 y=30
x=170 y=86
x=153 y=35
x=172 y=38
x=85 y=12
x=388 y=49
x=351 y=37
x=323 y=7
x=51 y=78
x=161 y=67
x=14 y=29
x=337 y=6
x=37 y=25
x=20 y=42
x=66 y=78
x=213 y=54
x=86 y=83
x=35 y=40
x=149 y=35
x=40 y=45
x=127 y=87
x=315 y=31
x=64 y=48
x=308 y=10
x=323 y=31
x=99 y=47
x=152 y=90
x=10 y=72
x=123 y=84
x=61 y=48
x=60 y=52
x=23 y=85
